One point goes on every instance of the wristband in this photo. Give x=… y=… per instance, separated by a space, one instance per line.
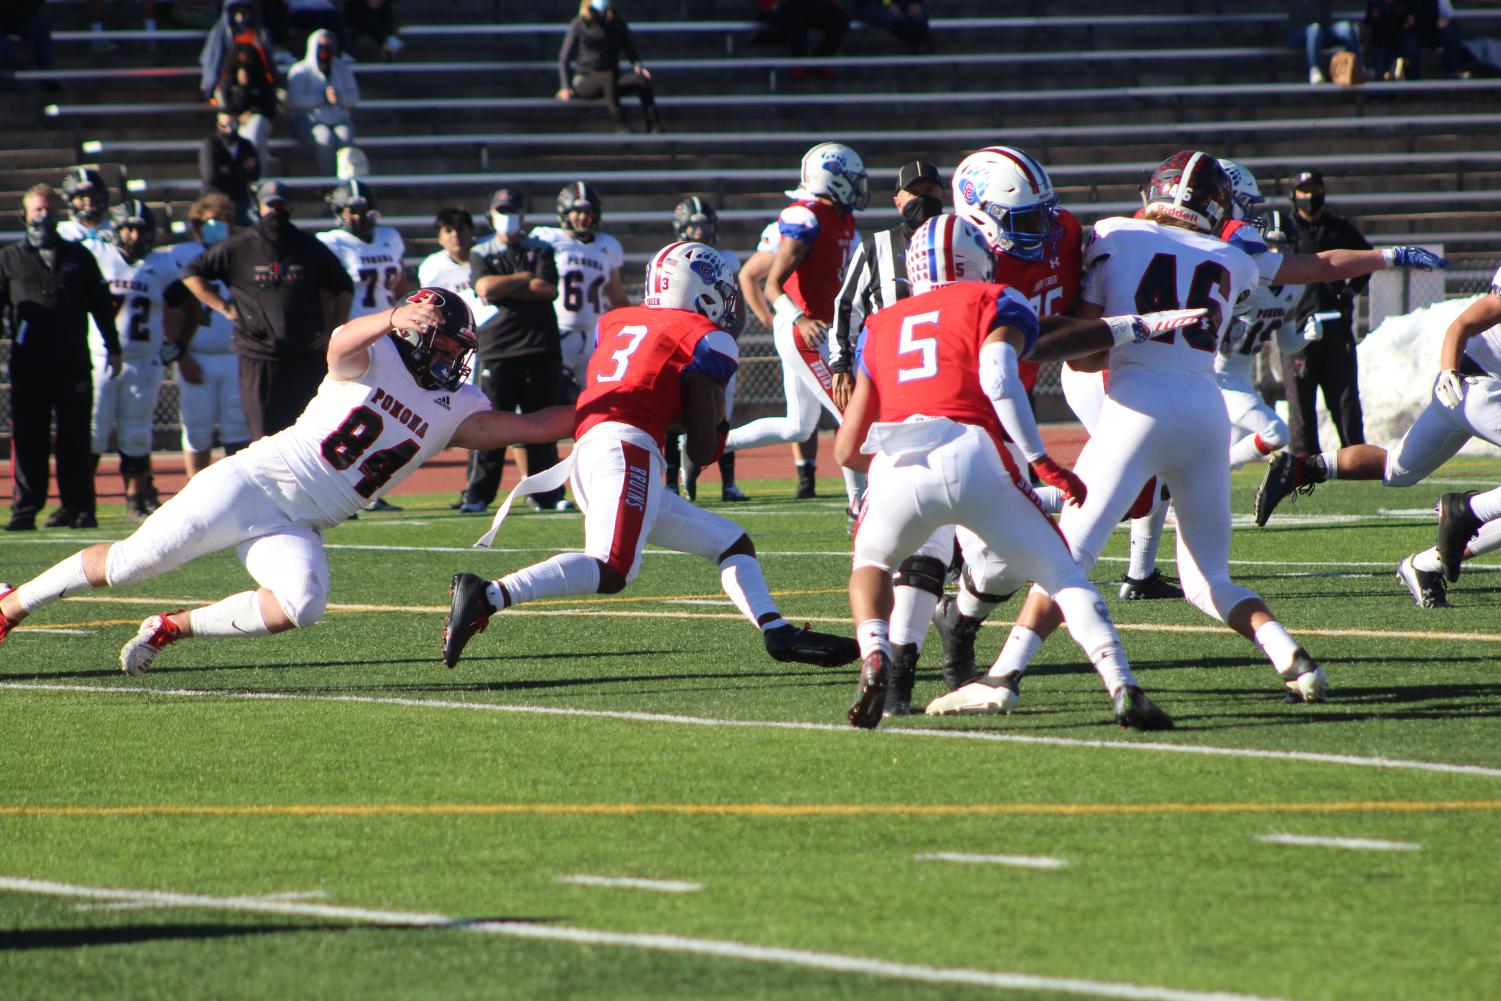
x=1389 y=255
x=785 y=309
x=1122 y=328
x=171 y=351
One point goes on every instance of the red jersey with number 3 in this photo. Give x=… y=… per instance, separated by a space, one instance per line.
x=1050 y=284
x=357 y=439
x=635 y=376
x=923 y=353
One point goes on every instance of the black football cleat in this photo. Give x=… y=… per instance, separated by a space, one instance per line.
x=1457 y=525
x=1155 y=586
x=1426 y=586
x=807 y=486
x=469 y=614
x=870 y=696
x=1134 y=711
x=957 y=632
x=903 y=678
x=791 y=645
x=1286 y=475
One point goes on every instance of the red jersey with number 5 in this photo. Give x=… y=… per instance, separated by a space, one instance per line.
x=923 y=354
x=1049 y=284
x=635 y=376
x=1136 y=266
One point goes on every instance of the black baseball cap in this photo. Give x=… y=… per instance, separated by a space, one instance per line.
x=508 y=200
x=917 y=170
x=1307 y=179
x=270 y=192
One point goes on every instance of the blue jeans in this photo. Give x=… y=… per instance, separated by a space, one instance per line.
x=1336 y=34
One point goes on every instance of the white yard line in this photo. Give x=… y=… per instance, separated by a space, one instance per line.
x=1306 y=757
x=143 y=903
x=1360 y=844
x=631 y=883
x=720 y=949
x=1016 y=861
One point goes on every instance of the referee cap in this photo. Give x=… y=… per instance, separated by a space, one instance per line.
x=917 y=170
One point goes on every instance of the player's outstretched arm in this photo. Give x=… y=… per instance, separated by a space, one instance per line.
x=859 y=414
x=1337 y=265
x=1088 y=332
x=492 y=429
x=349 y=347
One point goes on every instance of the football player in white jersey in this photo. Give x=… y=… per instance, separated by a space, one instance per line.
x=394 y=397
x=150 y=310
x=1163 y=415
x=208 y=370
x=589 y=281
x=88 y=203
x=371 y=253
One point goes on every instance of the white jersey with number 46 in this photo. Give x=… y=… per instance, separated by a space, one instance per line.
x=374 y=267
x=1155 y=267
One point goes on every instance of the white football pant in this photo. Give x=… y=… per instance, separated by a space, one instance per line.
x=214 y=402
x=126 y=405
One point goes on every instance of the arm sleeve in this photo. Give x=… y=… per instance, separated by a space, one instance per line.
x=565 y=54
x=1000 y=381
x=849 y=310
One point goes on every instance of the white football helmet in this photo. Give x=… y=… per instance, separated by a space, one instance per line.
x=1007 y=196
x=947 y=249
x=1247 y=192
x=694 y=277
x=835 y=170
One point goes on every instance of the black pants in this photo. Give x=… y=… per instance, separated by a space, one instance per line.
x=36 y=397
x=377 y=22
x=1327 y=365
x=611 y=85
x=527 y=383
x=796 y=17
x=274 y=393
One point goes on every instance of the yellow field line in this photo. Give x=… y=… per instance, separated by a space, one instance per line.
x=744 y=809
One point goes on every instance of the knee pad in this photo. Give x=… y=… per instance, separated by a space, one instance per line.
x=135 y=465
x=307 y=605
x=974 y=589
x=742 y=546
x=922 y=572
x=611 y=580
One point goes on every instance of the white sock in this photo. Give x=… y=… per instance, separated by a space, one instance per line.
x=854 y=487
x=972 y=604
x=741 y=578
x=1248 y=449
x=802 y=463
x=1088 y=622
x=873 y=637
x=1427 y=561
x=1146 y=538
x=1331 y=464
x=1487 y=506
x=235 y=616
x=1486 y=540
x=63 y=579
x=910 y=614
x=1051 y=498
x=1278 y=645
x=1021 y=646
x=563 y=575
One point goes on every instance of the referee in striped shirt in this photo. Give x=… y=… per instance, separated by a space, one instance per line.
x=877 y=274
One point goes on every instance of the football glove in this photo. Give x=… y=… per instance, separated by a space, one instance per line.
x=1450 y=388
x=1054 y=475
x=1133 y=329
x=1413 y=257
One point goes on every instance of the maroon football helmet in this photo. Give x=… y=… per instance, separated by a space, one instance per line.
x=439 y=356
x=1190 y=189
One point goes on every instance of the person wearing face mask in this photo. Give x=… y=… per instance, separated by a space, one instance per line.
x=520 y=360
x=877 y=274
x=289 y=292
x=49 y=287
x=229 y=164
x=1329 y=363
x=208 y=377
x=322 y=94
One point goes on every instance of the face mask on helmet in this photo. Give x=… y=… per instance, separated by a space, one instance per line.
x=837 y=172
x=1006 y=194
x=89 y=208
x=438 y=357
x=359 y=220
x=135 y=242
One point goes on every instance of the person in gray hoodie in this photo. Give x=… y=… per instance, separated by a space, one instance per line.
x=322 y=94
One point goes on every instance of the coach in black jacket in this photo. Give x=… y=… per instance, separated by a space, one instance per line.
x=49 y=288
x=1328 y=363
x=290 y=292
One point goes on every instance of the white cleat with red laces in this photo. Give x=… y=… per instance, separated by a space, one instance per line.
x=155 y=633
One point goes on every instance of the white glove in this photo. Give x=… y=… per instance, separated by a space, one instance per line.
x=1133 y=329
x=1450 y=388
x=1313 y=330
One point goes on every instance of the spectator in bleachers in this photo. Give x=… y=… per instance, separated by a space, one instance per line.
x=247 y=90
x=1312 y=24
x=96 y=23
x=311 y=17
x=905 y=19
x=28 y=21
x=793 y=19
x=229 y=165
x=322 y=93
x=1386 y=21
x=239 y=24
x=589 y=64
x=376 y=20
x=1406 y=27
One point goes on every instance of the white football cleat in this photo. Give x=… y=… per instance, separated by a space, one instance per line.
x=1310 y=684
x=155 y=633
x=982 y=697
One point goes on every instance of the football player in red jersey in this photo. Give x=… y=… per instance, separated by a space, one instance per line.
x=937 y=392
x=817 y=237
x=655 y=366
